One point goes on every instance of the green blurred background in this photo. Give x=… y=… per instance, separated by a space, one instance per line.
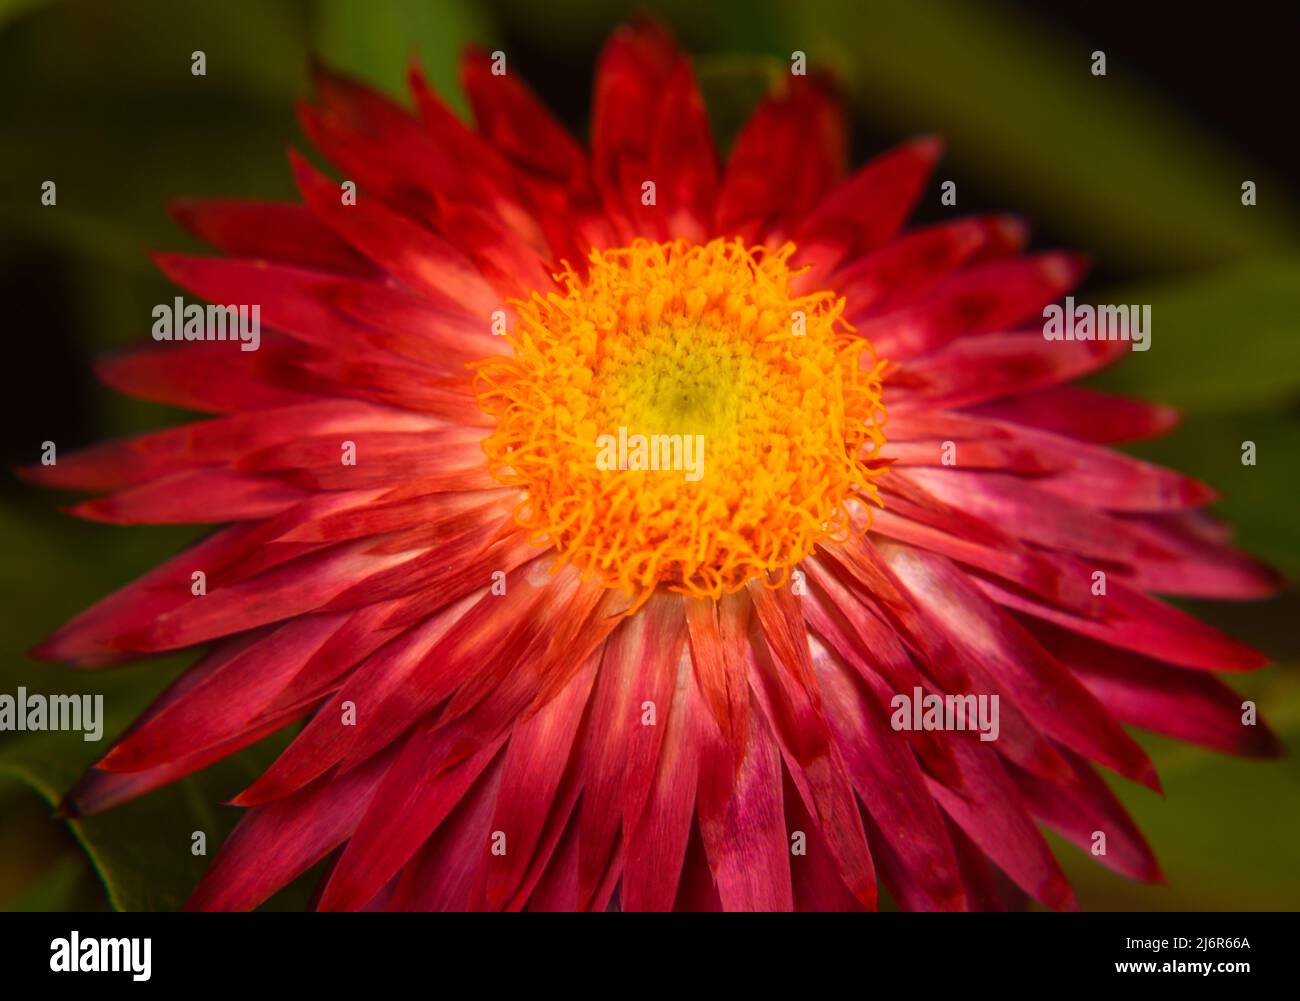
x=1141 y=168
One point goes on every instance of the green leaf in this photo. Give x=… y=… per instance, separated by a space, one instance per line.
x=1226 y=340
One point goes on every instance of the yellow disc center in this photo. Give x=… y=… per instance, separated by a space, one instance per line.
x=681 y=417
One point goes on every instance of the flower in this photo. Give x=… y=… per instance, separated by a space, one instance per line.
x=893 y=623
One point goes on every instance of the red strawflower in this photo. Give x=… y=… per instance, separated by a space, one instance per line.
x=532 y=680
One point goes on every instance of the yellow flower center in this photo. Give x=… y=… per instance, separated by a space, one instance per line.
x=682 y=417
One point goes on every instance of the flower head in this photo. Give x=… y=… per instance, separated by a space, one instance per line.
x=707 y=338
x=756 y=564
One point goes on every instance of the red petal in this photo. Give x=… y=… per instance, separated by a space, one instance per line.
x=892 y=787
x=785 y=160
x=220 y=441
x=493 y=182
x=98 y=791
x=640 y=665
x=416 y=794
x=94 y=636
x=408 y=251
x=535 y=761
x=1025 y=673
x=631 y=73
x=1187 y=705
x=990 y=296
x=1133 y=621
x=649 y=124
x=864 y=212
x=785 y=686
x=1197 y=564
x=215 y=699
x=408 y=677
x=903 y=269
x=194 y=497
x=742 y=823
x=274 y=844
x=303 y=585
x=1085 y=807
x=272 y=230
x=814 y=877
x=987 y=806
x=683 y=159
x=207 y=375
x=656 y=844
x=1019 y=507
x=513 y=121
x=974 y=370
x=1087 y=414
x=447 y=875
